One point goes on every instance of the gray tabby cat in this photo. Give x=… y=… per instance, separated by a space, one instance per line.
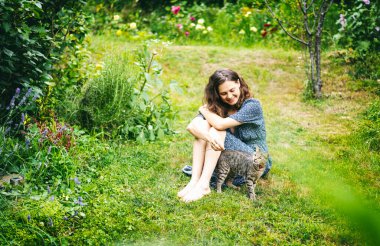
x=232 y=163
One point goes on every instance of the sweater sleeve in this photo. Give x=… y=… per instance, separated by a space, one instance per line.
x=250 y=112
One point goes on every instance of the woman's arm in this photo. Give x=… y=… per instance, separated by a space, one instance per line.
x=219 y=123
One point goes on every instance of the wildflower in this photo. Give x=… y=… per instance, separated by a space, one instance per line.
x=263 y=33
x=116 y=17
x=253 y=29
x=76 y=180
x=52 y=198
x=12 y=103
x=242 y=32
x=132 y=25
x=209 y=28
x=377 y=28
x=267 y=24
x=50 y=222
x=192 y=25
x=35 y=97
x=366 y=2
x=80 y=202
x=204 y=32
x=192 y=18
x=248 y=14
x=175 y=9
x=27 y=143
x=342 y=20
x=29 y=217
x=48 y=189
x=17 y=92
x=179 y=26
x=187 y=33
x=98 y=66
x=199 y=27
x=201 y=21
x=119 y=32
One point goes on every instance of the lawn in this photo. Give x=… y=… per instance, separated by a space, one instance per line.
x=323 y=188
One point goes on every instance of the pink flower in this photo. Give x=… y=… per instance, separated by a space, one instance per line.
x=366 y=2
x=192 y=18
x=342 y=20
x=179 y=26
x=187 y=33
x=175 y=9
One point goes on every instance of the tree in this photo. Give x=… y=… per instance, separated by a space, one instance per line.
x=313 y=13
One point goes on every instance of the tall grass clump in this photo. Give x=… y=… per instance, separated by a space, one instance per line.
x=369 y=131
x=128 y=99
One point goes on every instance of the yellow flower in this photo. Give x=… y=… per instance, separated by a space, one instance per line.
x=204 y=32
x=201 y=21
x=132 y=25
x=253 y=29
x=116 y=17
x=98 y=66
x=119 y=32
x=248 y=14
x=242 y=32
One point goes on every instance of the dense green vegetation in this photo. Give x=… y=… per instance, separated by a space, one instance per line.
x=95 y=98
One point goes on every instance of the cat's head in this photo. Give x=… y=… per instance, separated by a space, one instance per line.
x=260 y=158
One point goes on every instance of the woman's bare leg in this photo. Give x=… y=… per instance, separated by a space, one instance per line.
x=199 y=150
x=202 y=187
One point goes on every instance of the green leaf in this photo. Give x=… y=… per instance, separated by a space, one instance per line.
x=141 y=138
x=8 y=52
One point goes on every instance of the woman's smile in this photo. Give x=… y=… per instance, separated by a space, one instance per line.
x=229 y=92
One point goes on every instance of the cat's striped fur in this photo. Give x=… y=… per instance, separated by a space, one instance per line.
x=250 y=166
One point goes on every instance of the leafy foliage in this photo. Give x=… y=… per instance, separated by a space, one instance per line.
x=359 y=32
x=34 y=35
x=129 y=99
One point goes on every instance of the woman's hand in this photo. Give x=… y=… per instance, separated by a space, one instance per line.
x=215 y=143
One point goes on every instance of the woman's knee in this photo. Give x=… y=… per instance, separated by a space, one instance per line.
x=219 y=135
x=198 y=124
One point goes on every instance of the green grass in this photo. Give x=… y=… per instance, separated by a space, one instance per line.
x=323 y=188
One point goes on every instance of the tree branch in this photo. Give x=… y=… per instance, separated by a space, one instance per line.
x=283 y=28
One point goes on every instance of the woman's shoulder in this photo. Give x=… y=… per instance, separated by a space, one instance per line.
x=251 y=101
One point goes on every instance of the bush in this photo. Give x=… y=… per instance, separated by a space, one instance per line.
x=359 y=32
x=369 y=131
x=34 y=35
x=129 y=99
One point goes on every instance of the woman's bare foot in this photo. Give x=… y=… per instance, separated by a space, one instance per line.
x=196 y=193
x=186 y=190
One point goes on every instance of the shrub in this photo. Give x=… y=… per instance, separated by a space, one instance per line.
x=129 y=99
x=34 y=35
x=359 y=31
x=369 y=130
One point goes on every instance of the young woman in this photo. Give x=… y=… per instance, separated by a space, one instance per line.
x=230 y=119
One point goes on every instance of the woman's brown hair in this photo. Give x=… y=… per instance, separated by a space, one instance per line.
x=212 y=98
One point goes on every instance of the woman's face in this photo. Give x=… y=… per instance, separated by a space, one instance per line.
x=229 y=92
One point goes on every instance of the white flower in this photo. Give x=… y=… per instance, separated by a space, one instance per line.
x=192 y=25
x=204 y=32
x=116 y=17
x=242 y=32
x=199 y=27
x=209 y=28
x=132 y=25
x=253 y=29
x=201 y=21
